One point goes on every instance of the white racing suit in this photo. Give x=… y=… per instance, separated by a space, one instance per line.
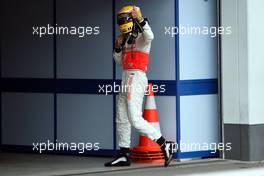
x=134 y=59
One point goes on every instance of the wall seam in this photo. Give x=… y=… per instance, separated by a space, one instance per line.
x=55 y=70
x=114 y=76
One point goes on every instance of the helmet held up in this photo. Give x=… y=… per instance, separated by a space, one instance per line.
x=125 y=19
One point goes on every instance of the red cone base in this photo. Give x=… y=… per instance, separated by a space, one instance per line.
x=147 y=152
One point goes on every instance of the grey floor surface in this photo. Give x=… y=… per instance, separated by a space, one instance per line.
x=45 y=165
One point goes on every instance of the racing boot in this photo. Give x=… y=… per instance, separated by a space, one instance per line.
x=168 y=148
x=122 y=159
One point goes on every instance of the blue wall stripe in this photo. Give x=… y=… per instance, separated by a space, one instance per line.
x=198 y=87
x=92 y=86
x=196 y=154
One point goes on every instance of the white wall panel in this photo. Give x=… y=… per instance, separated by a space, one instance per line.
x=199 y=119
x=22 y=53
x=27 y=118
x=198 y=53
x=256 y=55
x=85 y=118
x=166 y=106
x=235 y=64
x=89 y=57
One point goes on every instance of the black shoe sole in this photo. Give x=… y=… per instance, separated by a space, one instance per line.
x=167 y=162
x=120 y=164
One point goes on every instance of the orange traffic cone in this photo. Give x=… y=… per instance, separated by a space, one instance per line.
x=148 y=151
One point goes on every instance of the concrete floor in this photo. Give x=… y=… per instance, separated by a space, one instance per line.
x=38 y=165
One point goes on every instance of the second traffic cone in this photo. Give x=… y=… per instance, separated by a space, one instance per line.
x=149 y=151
